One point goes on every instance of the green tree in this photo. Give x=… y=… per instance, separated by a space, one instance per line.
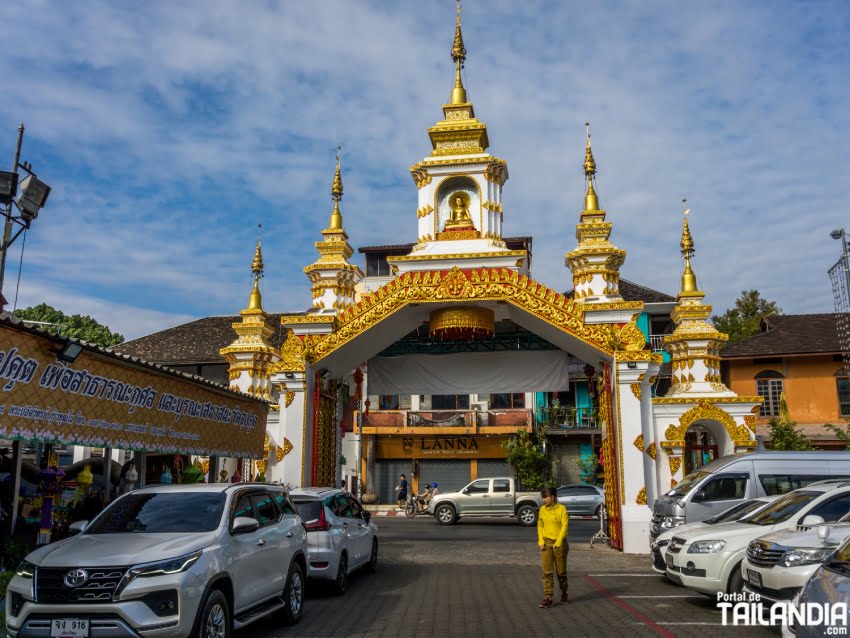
x=588 y=466
x=77 y=326
x=744 y=319
x=785 y=436
x=842 y=433
x=528 y=460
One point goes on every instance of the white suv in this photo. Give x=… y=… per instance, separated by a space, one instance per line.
x=709 y=560
x=167 y=561
x=341 y=534
x=778 y=565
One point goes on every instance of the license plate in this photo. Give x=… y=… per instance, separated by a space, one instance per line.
x=754 y=577
x=669 y=561
x=69 y=628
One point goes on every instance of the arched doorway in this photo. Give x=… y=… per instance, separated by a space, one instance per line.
x=700 y=448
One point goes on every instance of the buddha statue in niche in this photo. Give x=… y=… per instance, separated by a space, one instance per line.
x=459 y=218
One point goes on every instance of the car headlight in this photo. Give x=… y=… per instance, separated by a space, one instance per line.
x=805 y=556
x=672 y=521
x=706 y=547
x=159 y=568
x=661 y=544
x=25 y=570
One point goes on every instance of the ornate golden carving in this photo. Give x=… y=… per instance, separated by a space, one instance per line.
x=292 y=355
x=424 y=211
x=740 y=434
x=635 y=390
x=675 y=464
x=456 y=235
x=652 y=450
x=638 y=442
x=641 y=497
x=456 y=256
x=474 y=285
x=721 y=400
x=283 y=451
x=673 y=483
x=750 y=422
x=631 y=338
x=290 y=397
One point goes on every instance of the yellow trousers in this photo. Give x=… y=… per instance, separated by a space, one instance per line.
x=554 y=560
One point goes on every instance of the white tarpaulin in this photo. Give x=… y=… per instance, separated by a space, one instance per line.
x=470 y=373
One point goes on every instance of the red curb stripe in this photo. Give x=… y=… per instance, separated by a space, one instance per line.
x=628 y=608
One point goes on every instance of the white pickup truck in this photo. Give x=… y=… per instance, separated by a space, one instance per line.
x=486 y=497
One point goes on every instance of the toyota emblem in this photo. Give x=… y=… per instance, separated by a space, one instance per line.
x=76 y=578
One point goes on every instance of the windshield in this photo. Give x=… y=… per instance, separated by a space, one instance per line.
x=840 y=561
x=308 y=509
x=736 y=512
x=161 y=513
x=782 y=508
x=688 y=483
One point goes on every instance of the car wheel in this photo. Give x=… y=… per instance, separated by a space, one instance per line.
x=215 y=617
x=341 y=581
x=293 y=595
x=445 y=514
x=372 y=565
x=527 y=515
x=598 y=512
x=736 y=581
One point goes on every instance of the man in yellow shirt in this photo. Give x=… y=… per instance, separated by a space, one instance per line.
x=552 y=524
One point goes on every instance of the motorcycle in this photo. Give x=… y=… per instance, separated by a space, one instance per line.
x=412 y=508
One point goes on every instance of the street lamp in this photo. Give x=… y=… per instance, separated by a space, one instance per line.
x=838 y=233
x=33 y=196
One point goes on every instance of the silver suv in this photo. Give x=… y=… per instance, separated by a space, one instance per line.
x=171 y=560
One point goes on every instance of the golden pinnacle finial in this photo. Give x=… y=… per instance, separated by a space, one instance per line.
x=459 y=57
x=689 y=279
x=255 y=301
x=591 y=201
x=336 y=194
x=589 y=162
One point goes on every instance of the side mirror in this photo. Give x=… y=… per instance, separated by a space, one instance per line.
x=811 y=520
x=367 y=516
x=77 y=526
x=699 y=496
x=465 y=490
x=244 y=525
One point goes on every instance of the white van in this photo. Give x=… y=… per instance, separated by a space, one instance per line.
x=719 y=485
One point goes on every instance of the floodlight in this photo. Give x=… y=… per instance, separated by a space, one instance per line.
x=69 y=352
x=8 y=186
x=34 y=194
x=837 y=233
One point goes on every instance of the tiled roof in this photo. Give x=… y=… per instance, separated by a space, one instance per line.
x=789 y=334
x=631 y=291
x=194 y=342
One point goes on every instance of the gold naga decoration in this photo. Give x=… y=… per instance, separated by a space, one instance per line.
x=636 y=390
x=482 y=284
x=290 y=397
x=673 y=483
x=641 y=497
x=750 y=422
x=638 y=442
x=291 y=355
x=283 y=451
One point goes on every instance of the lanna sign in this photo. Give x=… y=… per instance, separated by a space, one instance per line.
x=101 y=400
x=450 y=446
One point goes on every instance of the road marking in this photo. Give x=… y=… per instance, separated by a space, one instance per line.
x=662 y=596
x=642 y=575
x=661 y=631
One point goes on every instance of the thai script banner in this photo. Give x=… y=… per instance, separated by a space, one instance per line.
x=98 y=401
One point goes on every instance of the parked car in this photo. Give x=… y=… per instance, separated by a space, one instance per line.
x=582 y=499
x=829 y=584
x=709 y=560
x=487 y=497
x=727 y=481
x=778 y=565
x=340 y=533
x=172 y=560
x=658 y=547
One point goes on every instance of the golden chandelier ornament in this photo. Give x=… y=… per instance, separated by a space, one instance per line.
x=465 y=322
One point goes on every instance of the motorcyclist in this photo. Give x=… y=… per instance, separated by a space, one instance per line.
x=423 y=499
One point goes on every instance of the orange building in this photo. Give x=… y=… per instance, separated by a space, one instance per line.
x=801 y=356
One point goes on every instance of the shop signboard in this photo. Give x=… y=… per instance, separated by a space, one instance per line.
x=99 y=400
x=440 y=446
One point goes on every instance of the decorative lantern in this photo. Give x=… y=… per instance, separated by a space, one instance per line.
x=84 y=481
x=49 y=486
x=465 y=322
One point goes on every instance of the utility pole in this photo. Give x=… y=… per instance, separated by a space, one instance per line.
x=7 y=226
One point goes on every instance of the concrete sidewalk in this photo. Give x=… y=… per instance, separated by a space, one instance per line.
x=392 y=510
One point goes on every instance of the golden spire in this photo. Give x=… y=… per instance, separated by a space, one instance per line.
x=689 y=279
x=459 y=57
x=255 y=301
x=336 y=194
x=591 y=201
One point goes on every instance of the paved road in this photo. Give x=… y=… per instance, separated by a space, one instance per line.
x=482 y=578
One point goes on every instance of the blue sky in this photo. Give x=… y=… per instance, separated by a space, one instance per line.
x=169 y=130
